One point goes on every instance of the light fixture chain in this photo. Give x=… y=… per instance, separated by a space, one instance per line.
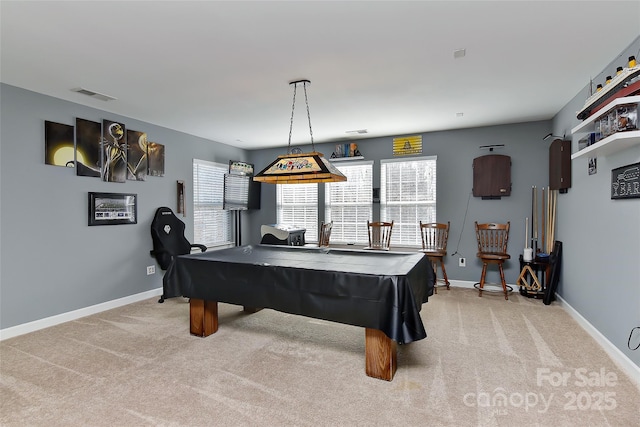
x=306 y=100
x=293 y=107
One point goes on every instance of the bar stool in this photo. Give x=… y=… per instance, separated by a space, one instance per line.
x=492 y=249
x=434 y=245
x=379 y=235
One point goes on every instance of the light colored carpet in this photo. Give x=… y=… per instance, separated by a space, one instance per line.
x=485 y=362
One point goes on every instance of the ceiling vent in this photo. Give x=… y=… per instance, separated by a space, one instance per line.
x=96 y=95
x=459 y=53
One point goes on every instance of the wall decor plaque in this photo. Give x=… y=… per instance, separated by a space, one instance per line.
x=625 y=182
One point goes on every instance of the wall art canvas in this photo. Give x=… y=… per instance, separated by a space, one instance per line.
x=136 y=155
x=113 y=208
x=114 y=151
x=59 y=146
x=156 y=159
x=88 y=143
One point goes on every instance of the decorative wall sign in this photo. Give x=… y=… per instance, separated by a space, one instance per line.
x=181 y=208
x=88 y=143
x=114 y=152
x=58 y=144
x=593 y=165
x=136 y=155
x=407 y=145
x=155 y=153
x=625 y=182
x=236 y=167
x=113 y=208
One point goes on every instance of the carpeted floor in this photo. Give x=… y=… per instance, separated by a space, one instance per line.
x=486 y=362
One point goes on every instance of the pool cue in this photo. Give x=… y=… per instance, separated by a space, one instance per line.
x=534 y=219
x=543 y=224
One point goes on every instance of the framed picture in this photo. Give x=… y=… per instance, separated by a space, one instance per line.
x=113 y=208
x=592 y=168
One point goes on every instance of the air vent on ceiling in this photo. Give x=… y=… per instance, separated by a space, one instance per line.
x=100 y=96
x=459 y=53
x=359 y=131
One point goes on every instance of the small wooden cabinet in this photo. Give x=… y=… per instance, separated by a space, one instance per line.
x=492 y=176
x=560 y=165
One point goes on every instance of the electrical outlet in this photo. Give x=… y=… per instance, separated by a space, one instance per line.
x=462 y=262
x=151 y=269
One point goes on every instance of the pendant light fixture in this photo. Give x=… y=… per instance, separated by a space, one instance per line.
x=300 y=168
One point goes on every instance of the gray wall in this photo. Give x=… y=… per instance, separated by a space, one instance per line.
x=51 y=261
x=601 y=237
x=456 y=151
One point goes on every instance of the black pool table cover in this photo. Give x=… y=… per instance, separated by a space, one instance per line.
x=371 y=289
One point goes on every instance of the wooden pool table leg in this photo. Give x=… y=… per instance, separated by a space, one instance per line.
x=380 y=354
x=203 y=317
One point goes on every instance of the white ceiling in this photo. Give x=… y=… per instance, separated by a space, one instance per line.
x=221 y=70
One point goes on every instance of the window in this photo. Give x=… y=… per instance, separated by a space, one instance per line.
x=297 y=204
x=407 y=196
x=349 y=204
x=212 y=226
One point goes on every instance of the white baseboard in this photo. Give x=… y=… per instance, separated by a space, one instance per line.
x=621 y=359
x=461 y=284
x=36 y=325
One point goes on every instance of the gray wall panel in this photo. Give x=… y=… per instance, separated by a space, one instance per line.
x=601 y=237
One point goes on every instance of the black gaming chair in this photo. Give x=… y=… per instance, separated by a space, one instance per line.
x=167 y=232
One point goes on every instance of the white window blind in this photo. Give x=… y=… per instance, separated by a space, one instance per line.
x=407 y=196
x=212 y=226
x=349 y=204
x=297 y=204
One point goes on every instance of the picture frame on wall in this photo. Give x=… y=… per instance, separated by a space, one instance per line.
x=112 y=208
x=155 y=153
x=114 y=151
x=88 y=148
x=59 y=144
x=136 y=155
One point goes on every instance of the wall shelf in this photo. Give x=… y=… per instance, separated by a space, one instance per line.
x=343 y=159
x=613 y=143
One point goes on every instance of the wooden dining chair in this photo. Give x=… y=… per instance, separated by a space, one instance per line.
x=434 y=245
x=325 y=233
x=492 y=249
x=379 y=235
